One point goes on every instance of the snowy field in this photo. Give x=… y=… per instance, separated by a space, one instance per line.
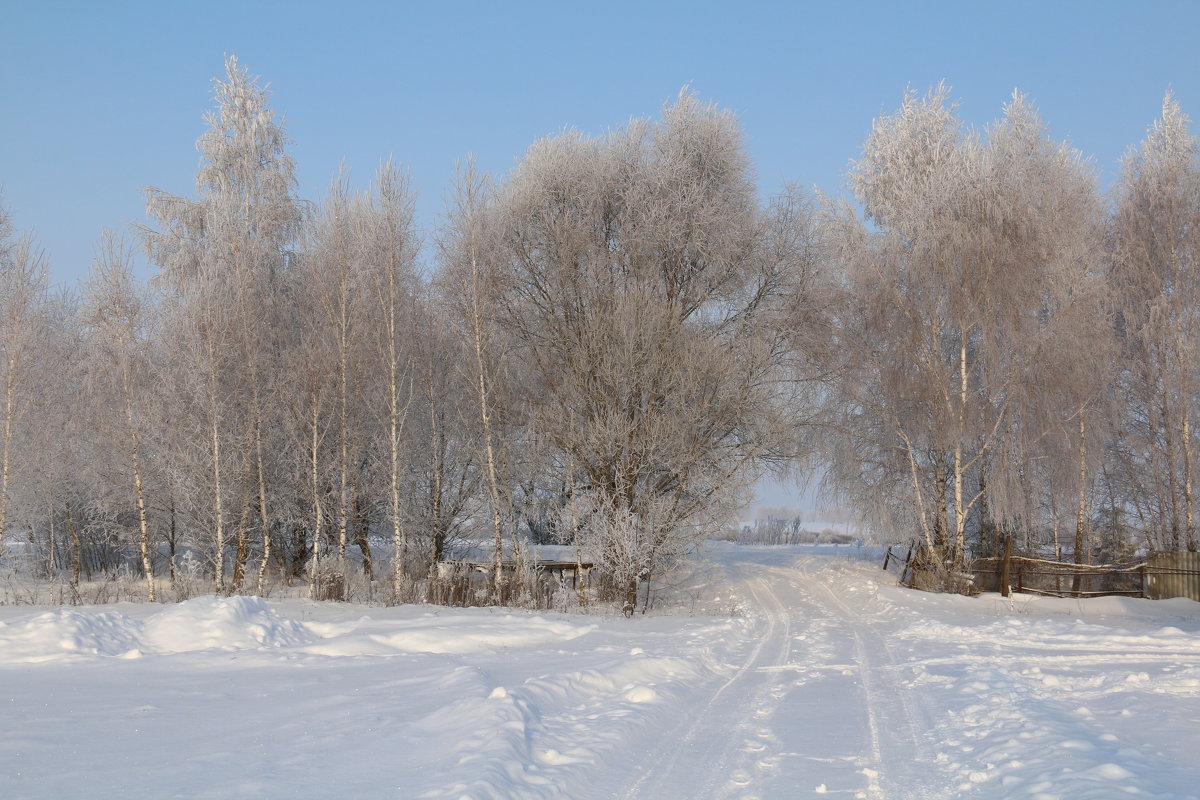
x=811 y=676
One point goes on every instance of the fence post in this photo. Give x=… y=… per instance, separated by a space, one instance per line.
x=908 y=567
x=1005 y=565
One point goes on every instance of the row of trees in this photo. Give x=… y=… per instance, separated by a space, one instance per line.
x=1019 y=352
x=612 y=343
x=599 y=359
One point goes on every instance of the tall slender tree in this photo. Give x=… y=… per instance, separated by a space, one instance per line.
x=117 y=314
x=389 y=246
x=224 y=255
x=464 y=247
x=22 y=321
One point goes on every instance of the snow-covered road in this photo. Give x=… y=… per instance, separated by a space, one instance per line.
x=818 y=706
x=824 y=680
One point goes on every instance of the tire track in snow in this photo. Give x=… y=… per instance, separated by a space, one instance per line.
x=895 y=771
x=706 y=731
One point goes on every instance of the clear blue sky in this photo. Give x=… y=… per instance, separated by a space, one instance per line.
x=100 y=99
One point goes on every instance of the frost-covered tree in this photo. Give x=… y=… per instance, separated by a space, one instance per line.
x=1156 y=275
x=473 y=287
x=224 y=256
x=637 y=280
x=116 y=315
x=57 y=436
x=388 y=246
x=309 y=390
x=22 y=322
x=333 y=276
x=953 y=284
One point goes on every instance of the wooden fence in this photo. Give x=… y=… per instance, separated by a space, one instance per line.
x=1173 y=575
x=1160 y=576
x=1057 y=578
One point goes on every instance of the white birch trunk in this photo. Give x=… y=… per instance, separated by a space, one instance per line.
x=10 y=411
x=135 y=460
x=960 y=515
x=343 y=424
x=263 y=519
x=314 y=570
x=218 y=497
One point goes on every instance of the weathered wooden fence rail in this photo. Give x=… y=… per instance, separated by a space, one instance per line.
x=1058 y=578
x=1160 y=576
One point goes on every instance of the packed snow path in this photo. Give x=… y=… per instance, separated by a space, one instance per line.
x=818 y=696
x=809 y=676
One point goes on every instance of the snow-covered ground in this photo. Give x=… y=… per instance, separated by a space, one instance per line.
x=819 y=678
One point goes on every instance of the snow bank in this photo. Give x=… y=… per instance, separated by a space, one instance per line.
x=226 y=623
x=68 y=635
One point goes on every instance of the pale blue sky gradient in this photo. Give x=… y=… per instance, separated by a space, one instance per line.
x=99 y=99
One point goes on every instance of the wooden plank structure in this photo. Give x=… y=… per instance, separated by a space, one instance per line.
x=577 y=571
x=1173 y=575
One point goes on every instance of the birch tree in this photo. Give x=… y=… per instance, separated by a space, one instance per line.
x=22 y=320
x=389 y=245
x=1156 y=253
x=949 y=299
x=57 y=437
x=224 y=255
x=310 y=392
x=333 y=274
x=464 y=249
x=116 y=314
